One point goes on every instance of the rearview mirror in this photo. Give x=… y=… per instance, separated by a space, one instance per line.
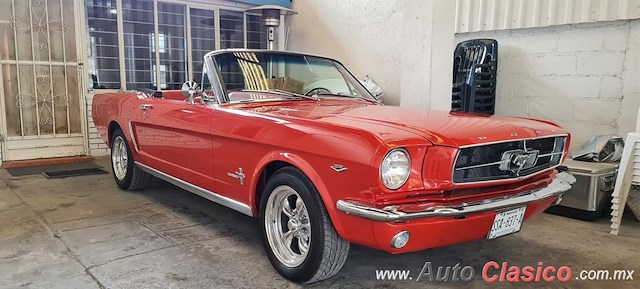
x=189 y=90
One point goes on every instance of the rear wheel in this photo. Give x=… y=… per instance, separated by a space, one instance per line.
x=125 y=172
x=297 y=232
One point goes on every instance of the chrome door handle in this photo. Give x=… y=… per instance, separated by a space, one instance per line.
x=145 y=107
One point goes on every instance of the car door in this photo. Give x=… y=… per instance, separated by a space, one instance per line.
x=175 y=138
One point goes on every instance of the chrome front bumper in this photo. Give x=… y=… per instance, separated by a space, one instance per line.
x=561 y=182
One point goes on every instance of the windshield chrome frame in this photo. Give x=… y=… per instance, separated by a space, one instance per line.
x=215 y=79
x=221 y=91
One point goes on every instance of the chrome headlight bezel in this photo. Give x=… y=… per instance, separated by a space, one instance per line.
x=404 y=178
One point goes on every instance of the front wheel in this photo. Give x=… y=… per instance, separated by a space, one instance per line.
x=297 y=232
x=125 y=172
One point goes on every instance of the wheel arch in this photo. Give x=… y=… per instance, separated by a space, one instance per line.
x=113 y=125
x=276 y=160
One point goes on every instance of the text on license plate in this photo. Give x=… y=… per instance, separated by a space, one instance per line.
x=507 y=222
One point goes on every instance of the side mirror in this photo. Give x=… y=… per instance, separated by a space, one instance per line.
x=373 y=88
x=189 y=90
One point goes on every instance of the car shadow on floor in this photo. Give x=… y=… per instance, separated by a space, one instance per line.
x=560 y=243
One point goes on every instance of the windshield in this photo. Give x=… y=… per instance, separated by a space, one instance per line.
x=254 y=76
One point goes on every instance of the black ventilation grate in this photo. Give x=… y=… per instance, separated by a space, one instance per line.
x=73 y=173
x=475 y=66
x=38 y=170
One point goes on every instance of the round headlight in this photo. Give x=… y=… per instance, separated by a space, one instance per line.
x=395 y=169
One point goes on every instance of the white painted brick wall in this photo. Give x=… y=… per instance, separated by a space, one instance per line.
x=572 y=38
x=611 y=87
x=598 y=63
x=585 y=77
x=560 y=64
x=97 y=147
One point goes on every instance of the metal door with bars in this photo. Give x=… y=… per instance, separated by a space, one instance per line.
x=41 y=78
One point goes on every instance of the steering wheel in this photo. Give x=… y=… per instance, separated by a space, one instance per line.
x=318 y=90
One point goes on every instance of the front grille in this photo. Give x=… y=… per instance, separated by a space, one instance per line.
x=487 y=162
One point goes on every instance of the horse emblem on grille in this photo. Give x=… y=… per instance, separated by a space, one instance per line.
x=517 y=160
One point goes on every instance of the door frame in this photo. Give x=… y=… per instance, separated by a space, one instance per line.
x=81 y=34
x=3 y=123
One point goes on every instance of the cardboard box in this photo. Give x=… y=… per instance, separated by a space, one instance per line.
x=286 y=84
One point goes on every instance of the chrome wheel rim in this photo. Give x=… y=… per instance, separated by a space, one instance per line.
x=119 y=158
x=287 y=226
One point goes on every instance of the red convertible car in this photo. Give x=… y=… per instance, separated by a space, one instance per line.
x=296 y=141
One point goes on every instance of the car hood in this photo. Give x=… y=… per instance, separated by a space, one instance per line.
x=439 y=127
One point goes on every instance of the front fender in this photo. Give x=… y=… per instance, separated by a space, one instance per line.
x=338 y=218
x=294 y=160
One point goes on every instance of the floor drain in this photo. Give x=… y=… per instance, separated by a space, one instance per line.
x=73 y=173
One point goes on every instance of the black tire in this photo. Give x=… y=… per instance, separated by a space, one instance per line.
x=133 y=178
x=327 y=251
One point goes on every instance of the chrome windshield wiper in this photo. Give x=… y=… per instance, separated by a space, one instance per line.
x=349 y=96
x=285 y=93
x=311 y=97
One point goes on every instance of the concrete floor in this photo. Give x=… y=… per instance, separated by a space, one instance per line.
x=83 y=232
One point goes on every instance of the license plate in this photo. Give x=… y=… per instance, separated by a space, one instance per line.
x=506 y=223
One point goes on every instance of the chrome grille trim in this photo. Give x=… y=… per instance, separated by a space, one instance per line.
x=486 y=174
x=502 y=162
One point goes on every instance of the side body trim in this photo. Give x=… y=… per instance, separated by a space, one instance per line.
x=133 y=138
x=222 y=200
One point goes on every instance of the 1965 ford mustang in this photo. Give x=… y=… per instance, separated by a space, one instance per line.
x=296 y=141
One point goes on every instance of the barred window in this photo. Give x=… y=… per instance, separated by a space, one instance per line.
x=139 y=43
x=137 y=58
x=231 y=29
x=256 y=32
x=173 y=50
x=203 y=38
x=103 y=63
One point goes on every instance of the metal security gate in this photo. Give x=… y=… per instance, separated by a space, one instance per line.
x=41 y=78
